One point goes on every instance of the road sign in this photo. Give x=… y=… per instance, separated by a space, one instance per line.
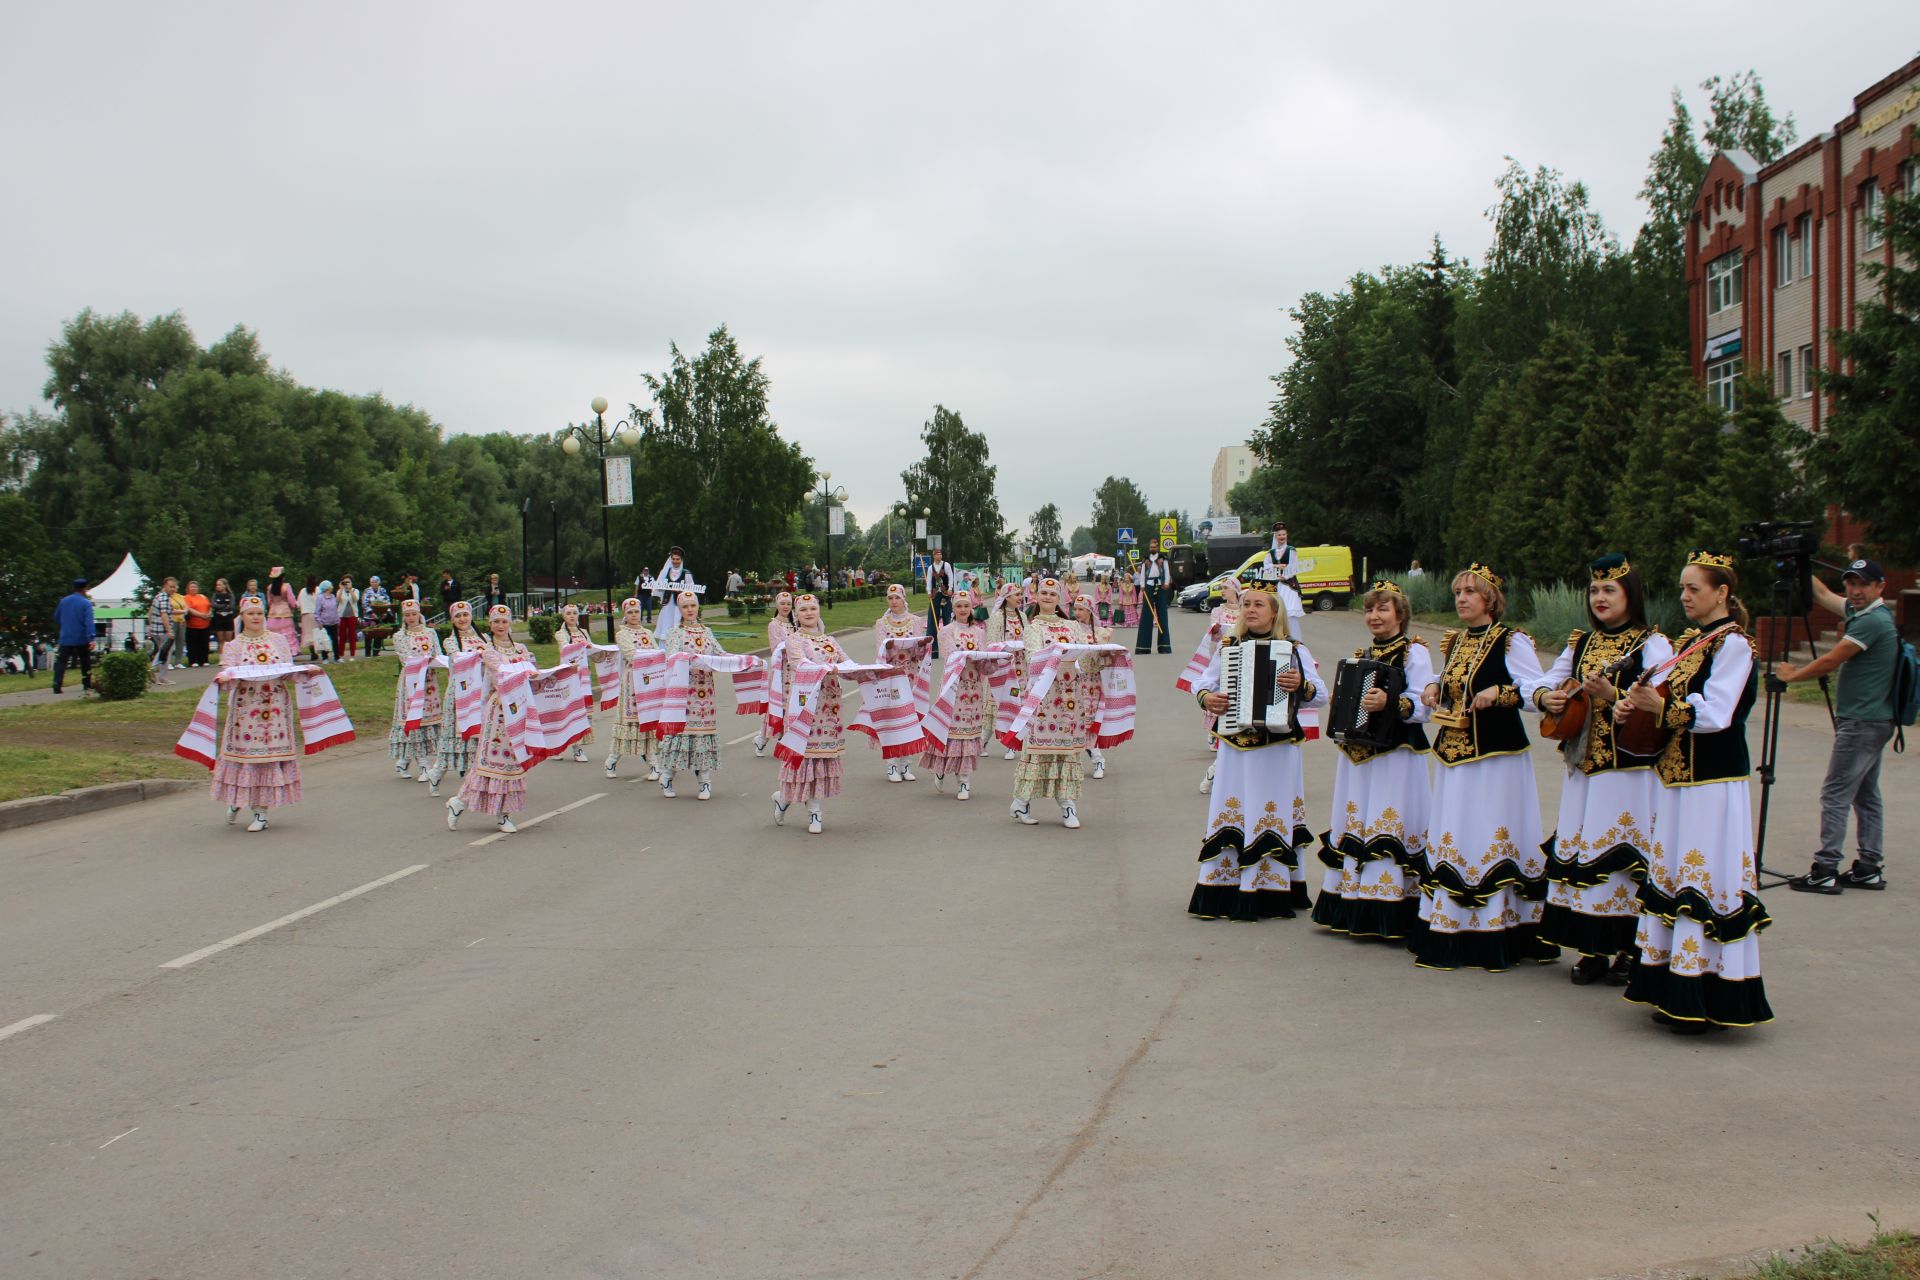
x=1125 y=537
x=1169 y=531
x=920 y=528
x=619 y=476
x=1133 y=555
x=934 y=542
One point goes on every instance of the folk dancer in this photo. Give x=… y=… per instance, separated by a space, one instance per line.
x=259 y=764
x=673 y=578
x=1083 y=613
x=1006 y=622
x=628 y=738
x=496 y=782
x=1376 y=844
x=814 y=776
x=571 y=632
x=1597 y=856
x=897 y=623
x=1485 y=874
x=415 y=639
x=1257 y=816
x=456 y=752
x=777 y=628
x=1700 y=918
x=972 y=700
x=1057 y=734
x=697 y=747
x=1219 y=623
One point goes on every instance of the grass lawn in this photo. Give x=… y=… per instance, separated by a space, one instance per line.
x=1890 y=1255
x=58 y=746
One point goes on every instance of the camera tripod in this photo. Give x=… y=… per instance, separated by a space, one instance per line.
x=1787 y=608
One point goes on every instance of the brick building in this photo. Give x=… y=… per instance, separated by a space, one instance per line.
x=1775 y=252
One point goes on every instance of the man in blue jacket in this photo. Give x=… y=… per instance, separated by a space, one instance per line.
x=73 y=620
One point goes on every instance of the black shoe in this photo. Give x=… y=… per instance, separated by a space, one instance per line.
x=1862 y=876
x=1819 y=880
x=1622 y=971
x=1588 y=970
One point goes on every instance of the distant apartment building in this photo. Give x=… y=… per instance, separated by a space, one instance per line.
x=1230 y=466
x=1776 y=253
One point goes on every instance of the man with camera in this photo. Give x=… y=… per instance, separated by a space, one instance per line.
x=1863 y=725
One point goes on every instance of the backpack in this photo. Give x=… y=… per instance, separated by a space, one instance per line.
x=1906 y=691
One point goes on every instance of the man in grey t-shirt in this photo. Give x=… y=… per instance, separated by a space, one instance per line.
x=1863 y=725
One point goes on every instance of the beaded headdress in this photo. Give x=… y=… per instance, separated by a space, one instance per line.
x=1487 y=575
x=1709 y=559
x=1610 y=568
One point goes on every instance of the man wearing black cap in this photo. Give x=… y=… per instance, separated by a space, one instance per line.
x=1863 y=725
x=73 y=620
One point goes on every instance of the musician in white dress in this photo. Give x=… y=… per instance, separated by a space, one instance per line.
x=1376 y=847
x=1485 y=875
x=1257 y=812
x=673 y=578
x=1597 y=856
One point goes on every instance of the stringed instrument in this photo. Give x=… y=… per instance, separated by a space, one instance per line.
x=1642 y=733
x=1572 y=720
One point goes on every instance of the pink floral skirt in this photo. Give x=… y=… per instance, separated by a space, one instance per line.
x=266 y=784
x=814 y=778
x=960 y=758
x=283 y=627
x=484 y=793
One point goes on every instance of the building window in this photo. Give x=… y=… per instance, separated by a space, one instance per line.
x=1910 y=179
x=1870 y=229
x=1783 y=375
x=1803 y=246
x=1782 y=259
x=1722 y=378
x=1806 y=372
x=1724 y=275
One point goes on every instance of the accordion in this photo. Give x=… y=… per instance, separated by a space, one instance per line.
x=1347 y=723
x=1248 y=675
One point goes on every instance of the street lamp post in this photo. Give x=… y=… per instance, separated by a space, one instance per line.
x=827 y=498
x=553 y=509
x=601 y=439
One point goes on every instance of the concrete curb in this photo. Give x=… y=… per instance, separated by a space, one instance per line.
x=69 y=804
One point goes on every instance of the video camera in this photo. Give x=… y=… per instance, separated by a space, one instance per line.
x=1791 y=545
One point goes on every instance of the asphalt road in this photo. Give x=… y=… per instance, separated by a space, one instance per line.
x=666 y=1039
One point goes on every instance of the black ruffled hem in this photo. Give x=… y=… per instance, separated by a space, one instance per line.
x=1585 y=875
x=1504 y=874
x=1268 y=844
x=1366 y=918
x=1696 y=906
x=1589 y=935
x=1492 y=951
x=1229 y=902
x=1332 y=852
x=1706 y=998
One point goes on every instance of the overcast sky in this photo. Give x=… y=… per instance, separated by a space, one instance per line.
x=1080 y=226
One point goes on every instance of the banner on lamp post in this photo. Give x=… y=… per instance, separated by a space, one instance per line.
x=619 y=476
x=836 y=521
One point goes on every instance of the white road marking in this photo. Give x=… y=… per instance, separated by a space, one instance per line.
x=745 y=737
x=26 y=1024
x=193 y=957
x=534 y=822
x=110 y=1141
x=476 y=942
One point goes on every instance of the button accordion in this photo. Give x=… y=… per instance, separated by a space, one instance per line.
x=1248 y=677
x=1347 y=722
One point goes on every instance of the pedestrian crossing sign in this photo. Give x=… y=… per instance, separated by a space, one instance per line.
x=1125 y=537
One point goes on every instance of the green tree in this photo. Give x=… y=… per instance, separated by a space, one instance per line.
x=1119 y=504
x=1253 y=500
x=36 y=575
x=1080 y=542
x=1669 y=499
x=1674 y=174
x=1043 y=527
x=1867 y=455
x=955 y=482
x=1743 y=120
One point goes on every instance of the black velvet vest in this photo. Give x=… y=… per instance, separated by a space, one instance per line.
x=1593 y=652
x=1473 y=662
x=1394 y=654
x=1692 y=758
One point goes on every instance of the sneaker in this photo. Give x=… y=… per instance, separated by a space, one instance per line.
x=666 y=788
x=1069 y=816
x=906 y=773
x=653 y=774
x=813 y=824
x=579 y=753
x=1818 y=880
x=433 y=782
x=1011 y=754
x=613 y=758
x=400 y=769
x=424 y=776
x=780 y=810
x=1862 y=876
x=454 y=810
x=705 y=792
x=259 y=822
x=966 y=790
x=233 y=811
x=1018 y=812
x=893 y=773
x=506 y=826
x=1099 y=769
x=759 y=745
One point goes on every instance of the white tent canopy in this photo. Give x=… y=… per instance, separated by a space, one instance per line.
x=121 y=587
x=1087 y=565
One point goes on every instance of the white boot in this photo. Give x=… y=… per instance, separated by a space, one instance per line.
x=506 y=825
x=1012 y=754
x=454 y=810
x=400 y=770
x=759 y=744
x=1069 y=818
x=706 y=785
x=653 y=770
x=780 y=808
x=940 y=784
x=433 y=781
x=1099 y=762
x=1019 y=811
x=425 y=770
x=259 y=822
x=579 y=753
x=906 y=772
x=813 y=817
x=666 y=783
x=966 y=789
x=893 y=773
x=613 y=758
x=233 y=811
x=1206 y=783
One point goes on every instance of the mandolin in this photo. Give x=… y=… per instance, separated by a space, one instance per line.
x=1642 y=733
x=1572 y=720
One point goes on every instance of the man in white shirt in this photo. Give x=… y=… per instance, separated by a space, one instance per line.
x=1282 y=568
x=939 y=584
x=1154 y=577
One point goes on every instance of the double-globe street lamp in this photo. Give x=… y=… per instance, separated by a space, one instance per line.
x=827 y=498
x=625 y=432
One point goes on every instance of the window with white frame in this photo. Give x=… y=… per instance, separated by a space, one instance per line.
x=1806 y=372
x=1870 y=230
x=1724 y=277
x=1722 y=378
x=1783 y=375
x=1782 y=259
x=1803 y=246
x=1910 y=179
